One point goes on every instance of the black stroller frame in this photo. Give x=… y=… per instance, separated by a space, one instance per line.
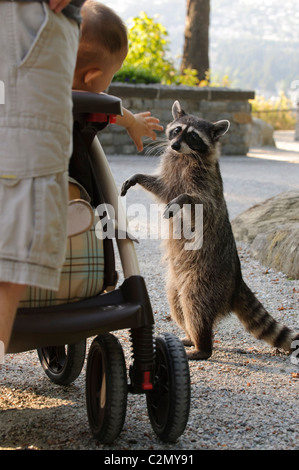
x=159 y=364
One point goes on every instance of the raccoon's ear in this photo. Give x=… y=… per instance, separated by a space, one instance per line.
x=220 y=128
x=177 y=110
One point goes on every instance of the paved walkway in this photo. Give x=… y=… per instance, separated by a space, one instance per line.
x=286 y=148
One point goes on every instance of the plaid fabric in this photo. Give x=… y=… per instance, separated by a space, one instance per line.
x=82 y=274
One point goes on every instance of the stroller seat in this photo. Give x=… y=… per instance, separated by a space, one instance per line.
x=159 y=365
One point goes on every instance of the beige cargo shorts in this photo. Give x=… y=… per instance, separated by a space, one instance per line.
x=37 y=56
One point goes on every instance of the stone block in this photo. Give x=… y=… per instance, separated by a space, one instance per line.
x=213 y=106
x=272 y=230
x=260 y=133
x=242 y=118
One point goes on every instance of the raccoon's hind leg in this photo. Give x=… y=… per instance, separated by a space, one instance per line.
x=198 y=325
x=176 y=311
x=259 y=322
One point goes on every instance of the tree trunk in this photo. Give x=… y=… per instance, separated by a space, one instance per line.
x=196 y=45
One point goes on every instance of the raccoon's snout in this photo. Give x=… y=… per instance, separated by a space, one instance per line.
x=176 y=145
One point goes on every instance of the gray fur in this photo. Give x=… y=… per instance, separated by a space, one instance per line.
x=206 y=284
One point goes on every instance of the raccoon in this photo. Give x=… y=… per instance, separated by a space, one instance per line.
x=206 y=284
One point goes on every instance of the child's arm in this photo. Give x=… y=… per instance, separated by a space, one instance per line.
x=139 y=125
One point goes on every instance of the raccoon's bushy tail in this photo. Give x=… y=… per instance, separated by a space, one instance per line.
x=259 y=322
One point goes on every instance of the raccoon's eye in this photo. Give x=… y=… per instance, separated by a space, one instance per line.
x=176 y=131
x=193 y=135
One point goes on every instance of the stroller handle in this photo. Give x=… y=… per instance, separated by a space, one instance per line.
x=125 y=246
x=85 y=102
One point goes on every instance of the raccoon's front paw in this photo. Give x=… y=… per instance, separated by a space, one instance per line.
x=127 y=185
x=124 y=188
x=171 y=210
x=176 y=204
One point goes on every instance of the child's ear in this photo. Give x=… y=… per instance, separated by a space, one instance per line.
x=91 y=75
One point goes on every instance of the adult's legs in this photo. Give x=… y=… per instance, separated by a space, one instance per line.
x=38 y=56
x=10 y=295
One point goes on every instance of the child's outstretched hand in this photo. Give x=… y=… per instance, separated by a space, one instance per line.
x=143 y=125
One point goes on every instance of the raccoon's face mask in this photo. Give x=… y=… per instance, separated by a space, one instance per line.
x=190 y=135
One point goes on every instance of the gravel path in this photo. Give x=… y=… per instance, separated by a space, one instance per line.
x=244 y=397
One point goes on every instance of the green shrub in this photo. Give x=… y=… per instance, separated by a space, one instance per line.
x=148 y=59
x=148 y=47
x=131 y=74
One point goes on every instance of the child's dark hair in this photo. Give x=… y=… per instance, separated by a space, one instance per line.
x=103 y=31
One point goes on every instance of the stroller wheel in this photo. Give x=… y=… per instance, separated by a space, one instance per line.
x=169 y=402
x=63 y=364
x=106 y=388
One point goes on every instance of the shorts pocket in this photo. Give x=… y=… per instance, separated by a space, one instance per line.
x=33 y=20
x=16 y=218
x=50 y=221
x=33 y=216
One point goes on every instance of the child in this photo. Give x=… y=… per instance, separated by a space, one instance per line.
x=103 y=48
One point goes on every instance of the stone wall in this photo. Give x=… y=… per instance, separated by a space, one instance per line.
x=212 y=104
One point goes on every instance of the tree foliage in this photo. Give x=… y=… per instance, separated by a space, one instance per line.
x=148 y=60
x=148 y=47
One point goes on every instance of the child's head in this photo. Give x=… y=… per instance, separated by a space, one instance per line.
x=102 y=49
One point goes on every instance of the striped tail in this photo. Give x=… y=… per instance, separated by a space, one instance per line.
x=259 y=322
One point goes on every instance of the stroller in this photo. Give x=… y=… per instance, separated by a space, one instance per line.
x=159 y=367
